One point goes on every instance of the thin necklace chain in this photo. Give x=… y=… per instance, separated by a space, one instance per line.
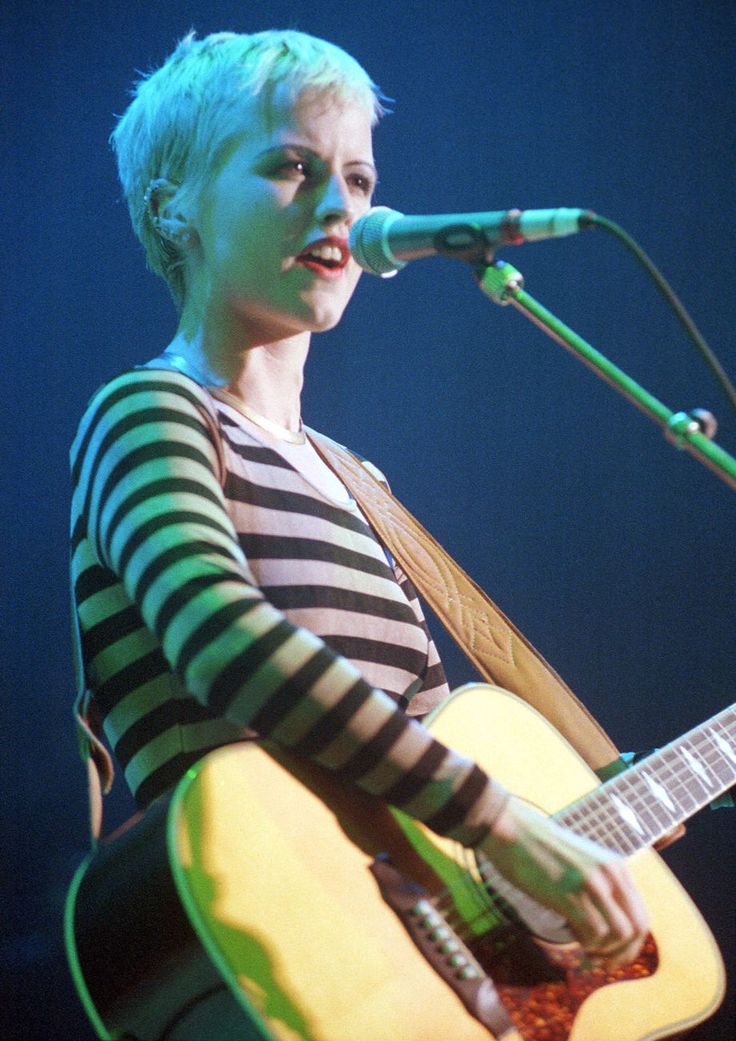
x=292 y=437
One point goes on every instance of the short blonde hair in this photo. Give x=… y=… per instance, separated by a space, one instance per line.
x=183 y=114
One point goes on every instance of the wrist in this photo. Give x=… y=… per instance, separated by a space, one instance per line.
x=488 y=810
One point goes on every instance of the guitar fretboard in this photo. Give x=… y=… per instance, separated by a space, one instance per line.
x=646 y=801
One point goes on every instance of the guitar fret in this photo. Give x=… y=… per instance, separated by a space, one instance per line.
x=647 y=813
x=663 y=811
x=644 y=802
x=721 y=749
x=720 y=736
x=596 y=819
x=699 y=766
x=725 y=777
x=701 y=770
x=650 y=815
x=718 y=771
x=680 y=780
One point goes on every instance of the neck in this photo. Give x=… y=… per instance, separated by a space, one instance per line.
x=266 y=375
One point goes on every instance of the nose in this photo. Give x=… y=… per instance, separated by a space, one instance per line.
x=335 y=205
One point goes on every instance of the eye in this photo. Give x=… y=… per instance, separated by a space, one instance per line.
x=297 y=169
x=363 y=183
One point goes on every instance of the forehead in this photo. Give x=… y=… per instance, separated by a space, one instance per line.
x=321 y=120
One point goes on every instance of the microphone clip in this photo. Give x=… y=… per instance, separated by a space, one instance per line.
x=464 y=241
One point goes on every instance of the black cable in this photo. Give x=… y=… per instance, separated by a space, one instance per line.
x=186 y=1008
x=593 y=219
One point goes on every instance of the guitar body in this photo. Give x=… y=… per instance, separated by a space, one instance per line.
x=273 y=866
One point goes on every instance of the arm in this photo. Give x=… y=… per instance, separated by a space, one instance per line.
x=148 y=495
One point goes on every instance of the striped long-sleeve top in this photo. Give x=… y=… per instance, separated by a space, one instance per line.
x=221 y=594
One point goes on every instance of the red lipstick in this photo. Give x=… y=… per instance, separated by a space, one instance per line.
x=326 y=257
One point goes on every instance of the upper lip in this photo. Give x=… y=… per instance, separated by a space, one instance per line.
x=331 y=240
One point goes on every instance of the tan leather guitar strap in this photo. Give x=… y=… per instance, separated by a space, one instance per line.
x=501 y=654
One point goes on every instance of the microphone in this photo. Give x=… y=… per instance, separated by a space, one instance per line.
x=384 y=240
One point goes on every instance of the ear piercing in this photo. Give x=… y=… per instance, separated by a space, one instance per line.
x=177 y=236
x=148 y=197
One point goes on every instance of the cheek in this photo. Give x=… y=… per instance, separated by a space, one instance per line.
x=242 y=224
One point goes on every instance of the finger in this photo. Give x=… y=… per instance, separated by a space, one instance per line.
x=595 y=910
x=615 y=917
x=622 y=955
x=593 y=933
x=610 y=957
x=628 y=897
x=588 y=923
x=606 y=894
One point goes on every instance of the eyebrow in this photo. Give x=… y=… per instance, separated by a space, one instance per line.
x=307 y=151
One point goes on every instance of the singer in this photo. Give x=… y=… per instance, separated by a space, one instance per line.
x=227 y=587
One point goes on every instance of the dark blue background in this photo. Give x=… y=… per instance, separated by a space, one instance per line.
x=613 y=551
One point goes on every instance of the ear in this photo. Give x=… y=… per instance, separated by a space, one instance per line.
x=169 y=217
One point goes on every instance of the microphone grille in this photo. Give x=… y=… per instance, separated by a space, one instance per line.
x=368 y=242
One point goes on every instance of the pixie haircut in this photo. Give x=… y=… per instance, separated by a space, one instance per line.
x=183 y=114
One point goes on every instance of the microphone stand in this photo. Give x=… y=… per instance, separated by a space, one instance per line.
x=690 y=431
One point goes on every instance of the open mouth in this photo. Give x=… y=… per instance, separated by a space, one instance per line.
x=327 y=255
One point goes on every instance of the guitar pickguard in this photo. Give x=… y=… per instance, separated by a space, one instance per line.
x=545 y=1010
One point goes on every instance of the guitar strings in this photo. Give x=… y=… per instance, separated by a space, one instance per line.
x=491 y=908
x=596 y=816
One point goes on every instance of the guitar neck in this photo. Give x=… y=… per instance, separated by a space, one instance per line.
x=646 y=801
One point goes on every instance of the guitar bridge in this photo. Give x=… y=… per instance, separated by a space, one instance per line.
x=443 y=949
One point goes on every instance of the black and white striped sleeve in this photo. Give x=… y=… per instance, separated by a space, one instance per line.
x=148 y=496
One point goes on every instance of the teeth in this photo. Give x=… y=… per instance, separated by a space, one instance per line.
x=327 y=252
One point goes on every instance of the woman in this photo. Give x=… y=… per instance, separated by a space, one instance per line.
x=226 y=583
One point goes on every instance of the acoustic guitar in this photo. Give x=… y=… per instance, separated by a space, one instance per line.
x=263 y=900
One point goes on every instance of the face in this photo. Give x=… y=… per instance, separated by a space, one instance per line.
x=273 y=221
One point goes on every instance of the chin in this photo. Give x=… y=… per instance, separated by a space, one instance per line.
x=325 y=323
x=322 y=319
x=324 y=308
